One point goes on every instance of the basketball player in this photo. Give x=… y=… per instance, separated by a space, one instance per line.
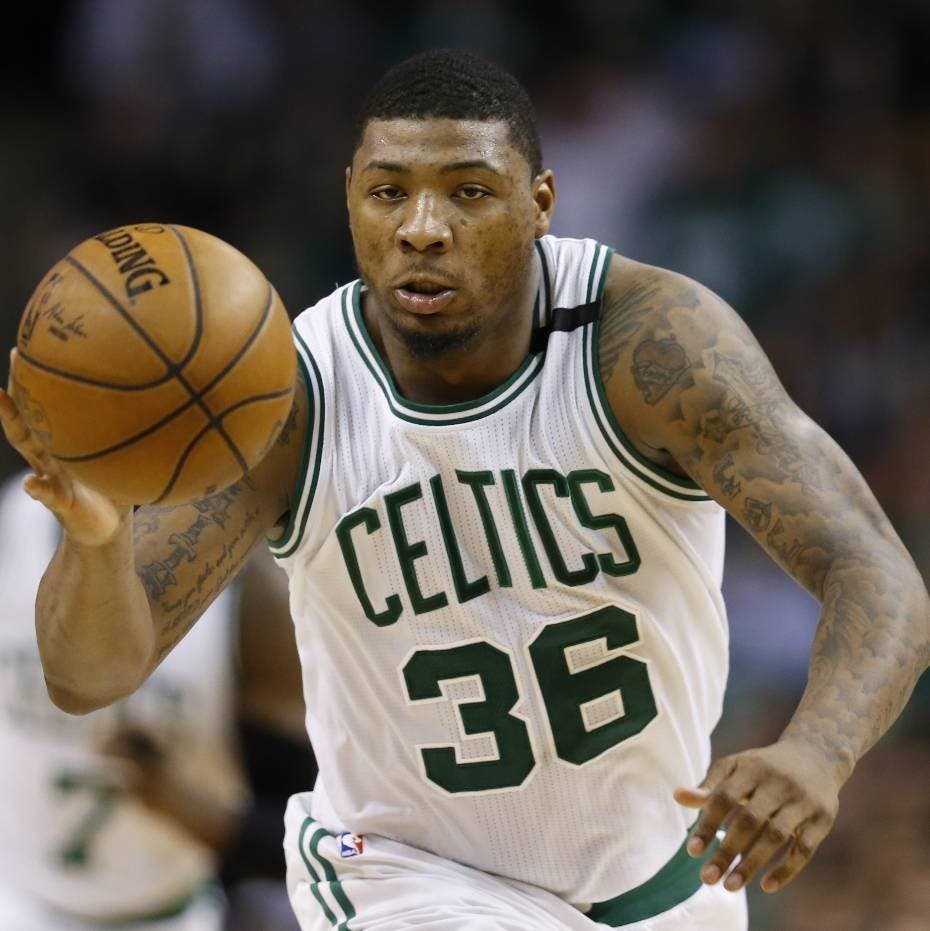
x=125 y=816
x=500 y=501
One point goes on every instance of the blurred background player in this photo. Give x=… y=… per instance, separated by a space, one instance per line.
x=143 y=813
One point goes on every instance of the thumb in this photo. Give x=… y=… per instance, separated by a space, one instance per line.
x=691 y=798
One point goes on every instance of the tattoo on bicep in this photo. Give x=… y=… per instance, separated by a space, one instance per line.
x=751 y=399
x=758 y=514
x=729 y=484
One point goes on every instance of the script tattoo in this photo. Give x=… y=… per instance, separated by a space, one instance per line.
x=179 y=605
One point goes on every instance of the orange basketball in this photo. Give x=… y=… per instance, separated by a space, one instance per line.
x=156 y=363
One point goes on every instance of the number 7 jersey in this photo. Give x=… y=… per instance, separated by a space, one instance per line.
x=511 y=628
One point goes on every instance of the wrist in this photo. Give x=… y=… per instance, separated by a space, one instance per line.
x=831 y=755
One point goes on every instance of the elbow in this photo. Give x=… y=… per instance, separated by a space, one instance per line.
x=85 y=700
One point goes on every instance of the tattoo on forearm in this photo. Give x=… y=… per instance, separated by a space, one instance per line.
x=210 y=580
x=158 y=576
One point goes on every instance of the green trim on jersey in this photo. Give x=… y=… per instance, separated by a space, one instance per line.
x=545 y=305
x=430 y=414
x=331 y=881
x=286 y=543
x=603 y=254
x=650 y=472
x=675 y=882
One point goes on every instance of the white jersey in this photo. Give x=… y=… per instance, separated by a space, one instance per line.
x=511 y=628
x=73 y=841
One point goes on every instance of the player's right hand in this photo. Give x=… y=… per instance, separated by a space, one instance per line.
x=86 y=516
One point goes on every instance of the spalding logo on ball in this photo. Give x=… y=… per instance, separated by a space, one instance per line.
x=156 y=363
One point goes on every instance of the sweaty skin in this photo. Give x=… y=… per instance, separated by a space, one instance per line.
x=451 y=207
x=455 y=205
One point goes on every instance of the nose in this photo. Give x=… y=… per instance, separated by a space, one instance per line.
x=423 y=227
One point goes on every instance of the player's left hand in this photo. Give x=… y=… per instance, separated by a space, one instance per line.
x=777 y=802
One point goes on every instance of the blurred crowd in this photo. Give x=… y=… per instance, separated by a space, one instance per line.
x=776 y=150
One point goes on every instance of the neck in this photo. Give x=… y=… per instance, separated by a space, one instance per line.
x=462 y=374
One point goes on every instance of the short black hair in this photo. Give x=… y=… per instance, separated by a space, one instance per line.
x=458 y=85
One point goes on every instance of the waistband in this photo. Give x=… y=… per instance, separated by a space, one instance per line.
x=678 y=880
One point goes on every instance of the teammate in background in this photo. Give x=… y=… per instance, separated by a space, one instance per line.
x=128 y=816
x=501 y=505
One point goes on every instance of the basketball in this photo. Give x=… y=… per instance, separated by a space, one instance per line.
x=156 y=363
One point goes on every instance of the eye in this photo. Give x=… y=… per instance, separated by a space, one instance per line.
x=472 y=192
x=387 y=193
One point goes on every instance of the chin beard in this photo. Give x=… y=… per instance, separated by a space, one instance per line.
x=426 y=345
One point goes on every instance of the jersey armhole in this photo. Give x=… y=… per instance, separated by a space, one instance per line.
x=644 y=469
x=286 y=543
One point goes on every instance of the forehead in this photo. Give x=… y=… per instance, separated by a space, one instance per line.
x=432 y=143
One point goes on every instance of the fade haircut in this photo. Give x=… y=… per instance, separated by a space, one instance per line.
x=457 y=85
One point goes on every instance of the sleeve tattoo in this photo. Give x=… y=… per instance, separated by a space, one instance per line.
x=731 y=426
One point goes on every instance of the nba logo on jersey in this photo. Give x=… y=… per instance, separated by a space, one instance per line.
x=350 y=845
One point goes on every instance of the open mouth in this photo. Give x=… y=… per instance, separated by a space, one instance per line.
x=424 y=287
x=424 y=297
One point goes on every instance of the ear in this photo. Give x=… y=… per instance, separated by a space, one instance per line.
x=348 y=184
x=544 y=199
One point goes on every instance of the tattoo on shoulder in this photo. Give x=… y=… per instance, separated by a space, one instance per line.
x=657 y=365
x=643 y=310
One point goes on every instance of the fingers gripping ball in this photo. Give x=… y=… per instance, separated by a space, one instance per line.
x=156 y=363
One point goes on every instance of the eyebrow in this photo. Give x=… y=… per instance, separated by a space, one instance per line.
x=444 y=170
x=386 y=166
x=472 y=163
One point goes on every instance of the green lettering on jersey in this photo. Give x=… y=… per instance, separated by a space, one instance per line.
x=408 y=553
x=531 y=482
x=512 y=491
x=476 y=481
x=603 y=521
x=567 y=693
x=368 y=517
x=464 y=590
x=491 y=714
